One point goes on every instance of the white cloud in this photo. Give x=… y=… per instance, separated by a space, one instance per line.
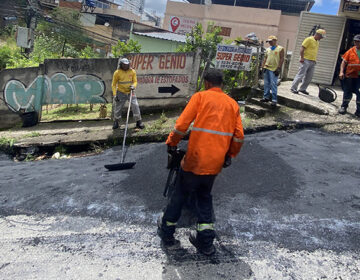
x=158 y=5
x=319 y=2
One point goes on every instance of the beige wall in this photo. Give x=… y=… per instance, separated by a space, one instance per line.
x=287 y=31
x=241 y=20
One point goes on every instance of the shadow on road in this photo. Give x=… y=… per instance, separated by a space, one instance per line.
x=185 y=263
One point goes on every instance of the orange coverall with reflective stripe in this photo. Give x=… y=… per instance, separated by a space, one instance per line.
x=217 y=131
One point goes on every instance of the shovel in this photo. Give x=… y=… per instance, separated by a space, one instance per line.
x=123 y=165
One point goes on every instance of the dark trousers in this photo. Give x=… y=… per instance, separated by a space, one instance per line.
x=189 y=184
x=350 y=86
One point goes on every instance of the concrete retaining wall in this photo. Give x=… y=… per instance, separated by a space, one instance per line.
x=84 y=81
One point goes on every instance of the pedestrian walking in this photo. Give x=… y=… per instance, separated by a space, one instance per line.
x=124 y=83
x=273 y=61
x=308 y=54
x=216 y=137
x=349 y=76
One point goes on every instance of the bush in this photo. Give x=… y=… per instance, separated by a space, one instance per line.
x=5 y=56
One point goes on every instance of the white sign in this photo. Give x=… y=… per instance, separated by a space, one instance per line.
x=233 y=57
x=23 y=37
x=181 y=25
x=164 y=74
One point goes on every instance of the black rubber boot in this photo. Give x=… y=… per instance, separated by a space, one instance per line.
x=342 y=110
x=140 y=125
x=115 y=125
x=166 y=239
x=206 y=250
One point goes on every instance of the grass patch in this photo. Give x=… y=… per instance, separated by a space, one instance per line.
x=162 y=124
x=74 y=112
x=246 y=122
x=6 y=144
x=32 y=134
x=61 y=149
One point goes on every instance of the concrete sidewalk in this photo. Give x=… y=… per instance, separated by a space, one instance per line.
x=297 y=109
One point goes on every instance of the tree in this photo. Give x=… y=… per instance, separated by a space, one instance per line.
x=88 y=52
x=122 y=48
x=63 y=29
x=205 y=41
x=5 y=56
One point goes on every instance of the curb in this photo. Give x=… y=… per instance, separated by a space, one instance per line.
x=149 y=138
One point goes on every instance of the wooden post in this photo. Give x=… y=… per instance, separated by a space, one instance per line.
x=256 y=82
x=284 y=66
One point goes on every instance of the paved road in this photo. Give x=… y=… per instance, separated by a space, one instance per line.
x=288 y=208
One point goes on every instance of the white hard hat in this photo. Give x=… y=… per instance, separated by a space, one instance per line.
x=124 y=61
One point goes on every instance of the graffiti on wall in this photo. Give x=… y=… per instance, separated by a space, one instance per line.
x=57 y=89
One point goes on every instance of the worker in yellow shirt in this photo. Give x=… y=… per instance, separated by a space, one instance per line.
x=308 y=53
x=274 y=58
x=124 y=83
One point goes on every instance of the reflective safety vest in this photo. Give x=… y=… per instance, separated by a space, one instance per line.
x=122 y=80
x=217 y=131
x=353 y=63
x=273 y=58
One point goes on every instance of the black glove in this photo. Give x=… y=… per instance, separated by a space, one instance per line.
x=227 y=161
x=116 y=98
x=171 y=149
x=277 y=72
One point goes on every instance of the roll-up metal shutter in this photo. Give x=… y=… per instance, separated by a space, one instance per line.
x=329 y=46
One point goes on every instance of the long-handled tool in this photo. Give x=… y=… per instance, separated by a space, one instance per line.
x=123 y=165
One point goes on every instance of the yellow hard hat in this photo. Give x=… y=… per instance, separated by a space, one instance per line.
x=322 y=32
x=270 y=38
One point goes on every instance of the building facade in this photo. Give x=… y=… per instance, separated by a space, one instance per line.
x=237 y=21
x=135 y=6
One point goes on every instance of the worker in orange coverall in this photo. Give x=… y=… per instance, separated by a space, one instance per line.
x=216 y=136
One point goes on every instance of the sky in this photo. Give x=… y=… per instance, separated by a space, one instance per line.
x=321 y=6
x=329 y=7
x=158 y=5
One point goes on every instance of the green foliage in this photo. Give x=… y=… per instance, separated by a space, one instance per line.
x=228 y=41
x=30 y=157
x=122 y=48
x=61 y=149
x=205 y=41
x=232 y=79
x=232 y=41
x=5 y=56
x=4 y=141
x=32 y=134
x=18 y=60
x=63 y=28
x=8 y=31
x=72 y=112
x=88 y=52
x=6 y=144
x=158 y=125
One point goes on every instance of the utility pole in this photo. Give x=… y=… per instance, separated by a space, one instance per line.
x=31 y=22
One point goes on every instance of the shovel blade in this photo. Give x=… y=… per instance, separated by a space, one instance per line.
x=120 y=166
